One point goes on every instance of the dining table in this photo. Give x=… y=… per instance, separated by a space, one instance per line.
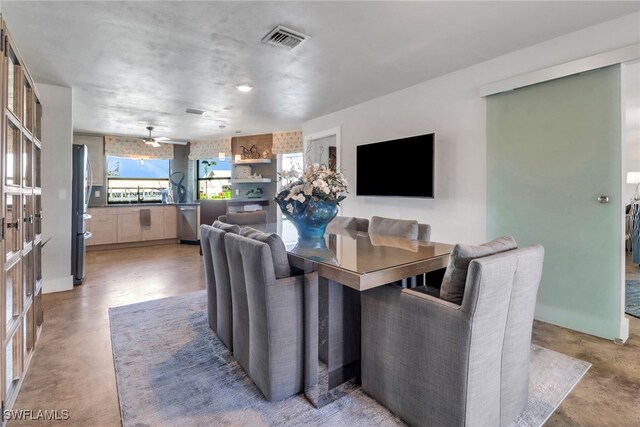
x=348 y=262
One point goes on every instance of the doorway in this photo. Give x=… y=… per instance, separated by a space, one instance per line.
x=631 y=188
x=323 y=148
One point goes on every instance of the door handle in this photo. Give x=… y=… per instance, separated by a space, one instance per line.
x=15 y=224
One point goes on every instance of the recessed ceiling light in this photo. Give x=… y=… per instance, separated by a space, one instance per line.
x=244 y=87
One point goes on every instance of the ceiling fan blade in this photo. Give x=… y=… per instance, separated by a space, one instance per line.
x=152 y=143
x=171 y=141
x=161 y=138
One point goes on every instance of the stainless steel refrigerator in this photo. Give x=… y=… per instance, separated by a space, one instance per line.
x=80 y=193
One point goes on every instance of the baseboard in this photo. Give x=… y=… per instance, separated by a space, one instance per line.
x=624 y=331
x=610 y=329
x=127 y=245
x=57 y=285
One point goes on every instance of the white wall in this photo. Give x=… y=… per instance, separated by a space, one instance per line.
x=451 y=107
x=57 y=137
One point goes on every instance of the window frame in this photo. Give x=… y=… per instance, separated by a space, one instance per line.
x=139 y=198
x=209 y=179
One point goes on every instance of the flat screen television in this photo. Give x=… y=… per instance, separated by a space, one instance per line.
x=397 y=168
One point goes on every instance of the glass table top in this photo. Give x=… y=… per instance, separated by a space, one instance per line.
x=358 y=252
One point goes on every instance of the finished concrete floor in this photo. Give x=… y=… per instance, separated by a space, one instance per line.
x=72 y=368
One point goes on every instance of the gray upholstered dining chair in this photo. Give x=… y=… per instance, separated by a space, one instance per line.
x=209 y=278
x=268 y=324
x=348 y=222
x=437 y=363
x=224 y=316
x=244 y=218
x=217 y=278
x=407 y=229
x=404 y=229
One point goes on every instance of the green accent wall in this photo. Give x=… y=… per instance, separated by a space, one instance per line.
x=552 y=149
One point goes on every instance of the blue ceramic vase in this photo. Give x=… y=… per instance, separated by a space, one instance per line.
x=315 y=249
x=310 y=219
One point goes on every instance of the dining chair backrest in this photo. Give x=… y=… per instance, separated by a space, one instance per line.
x=224 y=309
x=424 y=232
x=244 y=218
x=239 y=304
x=406 y=229
x=209 y=276
x=274 y=322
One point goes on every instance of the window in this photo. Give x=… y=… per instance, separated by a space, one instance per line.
x=136 y=181
x=292 y=161
x=288 y=162
x=214 y=179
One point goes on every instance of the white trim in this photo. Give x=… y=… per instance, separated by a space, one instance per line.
x=623 y=336
x=604 y=59
x=337 y=132
x=57 y=285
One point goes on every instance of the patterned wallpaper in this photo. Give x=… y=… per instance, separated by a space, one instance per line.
x=134 y=148
x=200 y=150
x=287 y=142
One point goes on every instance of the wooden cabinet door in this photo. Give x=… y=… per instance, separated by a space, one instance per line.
x=129 y=227
x=170 y=222
x=104 y=229
x=156 y=230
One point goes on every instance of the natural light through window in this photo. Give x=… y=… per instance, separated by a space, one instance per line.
x=214 y=179
x=136 y=181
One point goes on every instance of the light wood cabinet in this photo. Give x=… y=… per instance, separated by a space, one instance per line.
x=155 y=231
x=110 y=225
x=170 y=222
x=103 y=226
x=129 y=227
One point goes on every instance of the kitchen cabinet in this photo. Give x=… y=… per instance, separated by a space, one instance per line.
x=103 y=226
x=154 y=231
x=109 y=225
x=170 y=222
x=129 y=229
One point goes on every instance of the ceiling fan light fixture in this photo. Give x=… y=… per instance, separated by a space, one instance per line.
x=152 y=143
x=244 y=87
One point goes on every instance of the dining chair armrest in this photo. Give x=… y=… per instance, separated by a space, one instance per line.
x=430 y=299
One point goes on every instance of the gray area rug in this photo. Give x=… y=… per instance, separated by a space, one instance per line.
x=632 y=297
x=171 y=369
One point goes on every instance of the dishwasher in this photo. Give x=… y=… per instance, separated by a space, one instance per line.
x=188 y=224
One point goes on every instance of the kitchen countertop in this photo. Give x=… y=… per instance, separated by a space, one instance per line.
x=196 y=203
x=137 y=205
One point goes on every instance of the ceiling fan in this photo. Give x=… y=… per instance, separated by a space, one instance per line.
x=155 y=141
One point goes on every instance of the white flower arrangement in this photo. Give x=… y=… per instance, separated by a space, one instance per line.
x=316 y=182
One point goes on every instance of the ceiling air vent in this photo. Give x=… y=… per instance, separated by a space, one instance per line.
x=284 y=37
x=195 y=111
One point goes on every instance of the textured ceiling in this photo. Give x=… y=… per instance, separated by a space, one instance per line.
x=133 y=64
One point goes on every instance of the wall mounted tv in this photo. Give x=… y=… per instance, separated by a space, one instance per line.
x=397 y=168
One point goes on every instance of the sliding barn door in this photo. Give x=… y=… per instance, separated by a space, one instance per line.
x=552 y=150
